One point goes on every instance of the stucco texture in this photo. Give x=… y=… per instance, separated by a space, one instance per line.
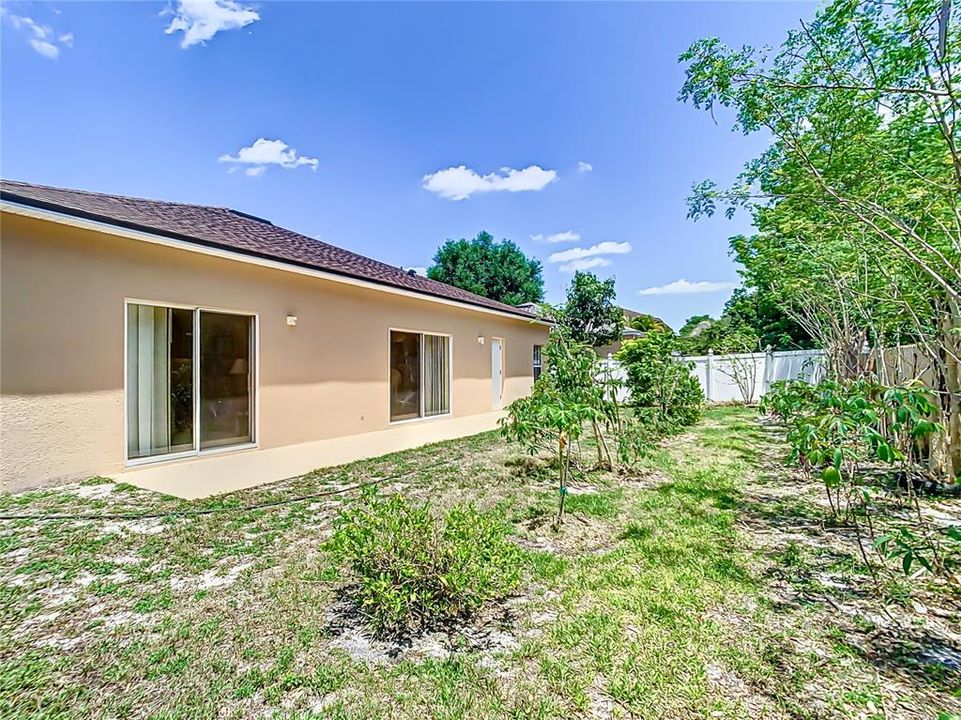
x=62 y=304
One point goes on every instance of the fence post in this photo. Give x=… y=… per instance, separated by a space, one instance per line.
x=768 y=368
x=708 y=381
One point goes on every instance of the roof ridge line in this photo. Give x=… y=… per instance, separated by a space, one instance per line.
x=96 y=193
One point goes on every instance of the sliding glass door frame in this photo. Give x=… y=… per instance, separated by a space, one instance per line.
x=450 y=376
x=195 y=368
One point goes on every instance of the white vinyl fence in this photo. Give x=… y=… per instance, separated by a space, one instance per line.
x=746 y=377
x=743 y=377
x=613 y=369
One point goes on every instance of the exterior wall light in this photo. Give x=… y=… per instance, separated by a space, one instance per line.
x=291 y=320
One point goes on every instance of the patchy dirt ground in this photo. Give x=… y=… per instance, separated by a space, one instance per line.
x=897 y=637
x=703 y=583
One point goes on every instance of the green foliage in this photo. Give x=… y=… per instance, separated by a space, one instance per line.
x=496 y=270
x=591 y=313
x=752 y=321
x=648 y=323
x=721 y=336
x=565 y=397
x=838 y=430
x=759 y=310
x=694 y=324
x=856 y=422
x=571 y=395
x=855 y=203
x=412 y=570
x=662 y=388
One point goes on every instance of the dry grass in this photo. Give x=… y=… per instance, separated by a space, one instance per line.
x=701 y=584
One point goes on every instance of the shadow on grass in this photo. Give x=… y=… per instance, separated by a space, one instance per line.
x=722 y=499
x=910 y=655
x=813 y=571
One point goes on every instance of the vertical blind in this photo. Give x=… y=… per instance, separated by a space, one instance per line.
x=436 y=375
x=159 y=380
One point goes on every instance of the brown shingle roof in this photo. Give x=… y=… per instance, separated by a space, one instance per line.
x=233 y=230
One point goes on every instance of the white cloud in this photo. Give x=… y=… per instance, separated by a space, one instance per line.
x=566 y=236
x=584 y=167
x=47 y=49
x=578 y=253
x=459 y=183
x=683 y=287
x=41 y=38
x=584 y=264
x=263 y=153
x=200 y=20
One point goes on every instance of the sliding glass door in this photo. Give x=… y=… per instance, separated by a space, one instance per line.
x=419 y=375
x=225 y=381
x=189 y=380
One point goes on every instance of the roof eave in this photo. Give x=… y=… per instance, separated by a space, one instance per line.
x=19 y=205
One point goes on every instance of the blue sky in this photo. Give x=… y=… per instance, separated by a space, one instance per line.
x=543 y=119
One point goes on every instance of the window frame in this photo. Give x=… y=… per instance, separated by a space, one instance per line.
x=196 y=451
x=537 y=361
x=450 y=377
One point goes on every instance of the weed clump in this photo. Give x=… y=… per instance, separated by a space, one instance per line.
x=411 y=569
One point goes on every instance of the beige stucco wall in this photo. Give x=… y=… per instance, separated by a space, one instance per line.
x=62 y=293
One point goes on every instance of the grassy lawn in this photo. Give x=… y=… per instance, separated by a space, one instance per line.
x=702 y=584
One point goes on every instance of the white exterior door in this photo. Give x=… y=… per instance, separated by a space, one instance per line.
x=497 y=373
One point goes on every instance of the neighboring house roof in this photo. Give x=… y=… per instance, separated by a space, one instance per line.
x=627 y=333
x=223 y=228
x=530 y=307
x=700 y=327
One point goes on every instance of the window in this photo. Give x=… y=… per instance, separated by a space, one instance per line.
x=189 y=380
x=537 y=362
x=419 y=375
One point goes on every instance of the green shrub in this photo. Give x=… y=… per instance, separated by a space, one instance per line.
x=663 y=390
x=412 y=570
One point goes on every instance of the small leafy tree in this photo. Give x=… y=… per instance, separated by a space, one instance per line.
x=838 y=430
x=571 y=395
x=496 y=270
x=591 y=314
x=662 y=387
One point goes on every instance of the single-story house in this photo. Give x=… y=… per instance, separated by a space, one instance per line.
x=628 y=333
x=196 y=350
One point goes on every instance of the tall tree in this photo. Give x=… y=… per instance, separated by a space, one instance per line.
x=694 y=325
x=591 y=312
x=856 y=201
x=647 y=323
x=756 y=309
x=497 y=270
